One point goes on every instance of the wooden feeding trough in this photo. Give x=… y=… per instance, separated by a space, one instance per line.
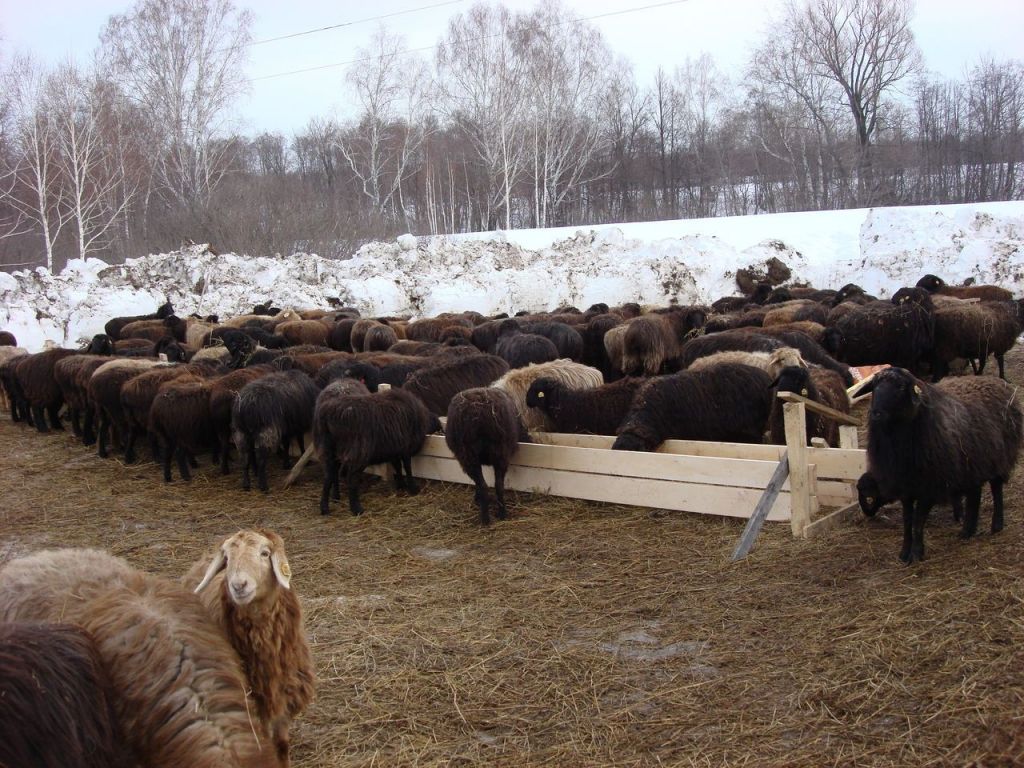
x=704 y=477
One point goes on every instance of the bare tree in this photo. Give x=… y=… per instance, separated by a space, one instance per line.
x=181 y=61
x=34 y=186
x=864 y=48
x=382 y=147
x=482 y=79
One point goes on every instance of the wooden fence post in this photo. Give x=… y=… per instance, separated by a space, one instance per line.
x=795 y=416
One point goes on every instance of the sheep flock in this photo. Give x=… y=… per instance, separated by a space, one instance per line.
x=225 y=646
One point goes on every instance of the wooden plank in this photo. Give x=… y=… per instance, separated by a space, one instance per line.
x=764 y=504
x=848 y=437
x=839 y=463
x=836 y=488
x=795 y=420
x=753 y=451
x=822 y=410
x=744 y=473
x=634 y=491
x=832 y=520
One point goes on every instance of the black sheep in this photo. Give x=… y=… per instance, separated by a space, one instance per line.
x=267 y=415
x=879 y=333
x=726 y=341
x=353 y=429
x=369 y=375
x=928 y=443
x=818 y=384
x=437 y=384
x=36 y=380
x=594 y=352
x=483 y=428
x=597 y=411
x=728 y=403
x=521 y=349
x=20 y=410
x=567 y=340
x=179 y=419
x=57 y=698
x=114 y=325
x=934 y=284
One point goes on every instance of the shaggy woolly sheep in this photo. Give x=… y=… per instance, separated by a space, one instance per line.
x=596 y=411
x=928 y=443
x=517 y=383
x=246 y=589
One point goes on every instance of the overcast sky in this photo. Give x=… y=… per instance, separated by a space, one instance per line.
x=952 y=34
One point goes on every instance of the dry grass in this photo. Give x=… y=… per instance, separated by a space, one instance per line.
x=587 y=634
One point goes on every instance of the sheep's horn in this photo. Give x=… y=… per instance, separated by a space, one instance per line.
x=216 y=565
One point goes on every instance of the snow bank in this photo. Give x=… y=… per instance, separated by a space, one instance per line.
x=687 y=261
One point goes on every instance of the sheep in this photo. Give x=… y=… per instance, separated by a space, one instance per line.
x=937 y=285
x=35 y=378
x=520 y=349
x=432 y=329
x=180 y=420
x=437 y=384
x=596 y=411
x=265 y=321
x=57 y=700
x=973 y=331
x=517 y=383
x=811 y=350
x=7 y=380
x=484 y=428
x=20 y=409
x=757 y=359
x=614 y=341
x=154 y=330
x=357 y=338
x=728 y=403
x=795 y=312
x=394 y=375
x=485 y=336
x=8 y=339
x=818 y=384
x=178 y=688
x=353 y=429
x=72 y=374
x=726 y=341
x=339 y=336
x=652 y=340
x=268 y=414
x=567 y=340
x=594 y=352
x=728 y=304
x=874 y=334
x=104 y=392
x=246 y=589
x=379 y=338
x=930 y=442
x=303 y=332
x=113 y=326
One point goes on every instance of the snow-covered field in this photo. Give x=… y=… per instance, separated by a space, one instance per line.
x=686 y=261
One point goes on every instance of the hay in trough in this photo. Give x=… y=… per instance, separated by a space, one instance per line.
x=586 y=634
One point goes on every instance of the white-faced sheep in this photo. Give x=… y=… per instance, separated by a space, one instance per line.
x=246 y=589
x=267 y=415
x=57 y=709
x=517 y=383
x=594 y=411
x=177 y=685
x=727 y=403
x=930 y=442
x=483 y=428
x=352 y=430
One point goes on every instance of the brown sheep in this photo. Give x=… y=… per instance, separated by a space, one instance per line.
x=304 y=332
x=246 y=590
x=934 y=284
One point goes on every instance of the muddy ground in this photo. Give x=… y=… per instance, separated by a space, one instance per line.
x=587 y=634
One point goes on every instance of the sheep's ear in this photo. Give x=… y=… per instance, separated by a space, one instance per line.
x=217 y=564
x=915 y=396
x=282 y=570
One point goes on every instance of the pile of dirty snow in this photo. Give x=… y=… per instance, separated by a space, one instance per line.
x=688 y=261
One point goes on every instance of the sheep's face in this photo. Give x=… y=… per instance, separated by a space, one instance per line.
x=897 y=396
x=794 y=379
x=930 y=283
x=254 y=564
x=539 y=393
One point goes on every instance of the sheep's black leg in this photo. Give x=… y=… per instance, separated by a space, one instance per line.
x=410 y=484
x=76 y=422
x=129 y=445
x=183 y=461
x=908 y=529
x=397 y=466
x=103 y=438
x=54 y=413
x=330 y=481
x=499 y=490
x=996 y=484
x=1002 y=367
x=974 y=365
x=154 y=448
x=352 y=478
x=261 y=458
x=973 y=499
x=166 y=454
x=921 y=510
x=981 y=364
x=38 y=419
x=224 y=439
x=88 y=432
x=246 y=460
x=480 y=495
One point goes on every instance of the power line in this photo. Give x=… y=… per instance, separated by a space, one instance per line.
x=354 y=22
x=484 y=37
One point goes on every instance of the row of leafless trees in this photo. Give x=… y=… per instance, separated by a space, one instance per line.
x=520 y=120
